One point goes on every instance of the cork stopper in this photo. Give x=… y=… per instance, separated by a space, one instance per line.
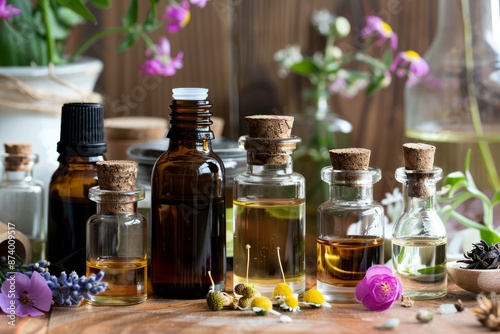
x=269 y=126
x=419 y=156
x=19 y=158
x=350 y=158
x=116 y=175
x=265 y=143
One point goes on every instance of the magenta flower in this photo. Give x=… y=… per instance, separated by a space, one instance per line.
x=381 y=31
x=410 y=63
x=177 y=16
x=161 y=63
x=199 y=3
x=7 y=11
x=23 y=296
x=379 y=289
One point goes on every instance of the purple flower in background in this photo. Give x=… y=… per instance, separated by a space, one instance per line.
x=7 y=11
x=410 y=63
x=177 y=16
x=161 y=63
x=379 y=289
x=380 y=30
x=23 y=296
x=199 y=3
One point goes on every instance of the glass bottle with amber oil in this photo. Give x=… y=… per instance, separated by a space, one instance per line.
x=21 y=197
x=188 y=204
x=117 y=235
x=80 y=147
x=350 y=225
x=269 y=208
x=419 y=235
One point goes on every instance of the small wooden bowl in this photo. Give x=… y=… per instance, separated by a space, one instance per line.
x=474 y=280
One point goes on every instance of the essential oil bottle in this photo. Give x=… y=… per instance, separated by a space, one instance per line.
x=269 y=208
x=80 y=147
x=188 y=204
x=419 y=235
x=350 y=225
x=117 y=235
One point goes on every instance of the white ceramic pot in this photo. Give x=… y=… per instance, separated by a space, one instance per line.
x=30 y=105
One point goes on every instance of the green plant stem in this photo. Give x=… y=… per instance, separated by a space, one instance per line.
x=484 y=148
x=52 y=56
x=95 y=38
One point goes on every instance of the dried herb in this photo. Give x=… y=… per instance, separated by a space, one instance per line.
x=483 y=256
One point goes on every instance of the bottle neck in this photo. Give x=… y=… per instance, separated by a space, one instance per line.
x=351 y=185
x=75 y=159
x=190 y=121
x=270 y=170
x=419 y=188
x=18 y=167
x=116 y=201
x=17 y=176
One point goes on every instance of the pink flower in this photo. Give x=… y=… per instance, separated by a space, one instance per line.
x=410 y=63
x=161 y=63
x=382 y=31
x=7 y=11
x=177 y=16
x=199 y=3
x=23 y=296
x=379 y=289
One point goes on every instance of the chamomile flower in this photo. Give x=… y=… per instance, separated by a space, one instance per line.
x=290 y=303
x=315 y=298
x=261 y=305
x=281 y=291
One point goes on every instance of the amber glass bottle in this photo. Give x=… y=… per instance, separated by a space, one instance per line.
x=188 y=204
x=80 y=147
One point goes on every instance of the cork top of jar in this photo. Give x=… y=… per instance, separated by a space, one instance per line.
x=350 y=158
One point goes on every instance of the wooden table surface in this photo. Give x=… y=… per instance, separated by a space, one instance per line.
x=193 y=316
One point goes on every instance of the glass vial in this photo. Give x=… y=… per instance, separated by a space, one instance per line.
x=269 y=208
x=80 y=147
x=188 y=204
x=350 y=225
x=419 y=235
x=117 y=235
x=22 y=197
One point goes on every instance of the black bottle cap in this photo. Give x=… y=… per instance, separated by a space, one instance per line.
x=82 y=130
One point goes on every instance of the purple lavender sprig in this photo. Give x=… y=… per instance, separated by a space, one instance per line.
x=66 y=289
x=71 y=289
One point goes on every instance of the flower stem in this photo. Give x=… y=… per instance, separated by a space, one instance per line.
x=95 y=38
x=52 y=56
x=484 y=148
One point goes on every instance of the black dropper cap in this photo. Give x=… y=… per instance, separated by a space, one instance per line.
x=82 y=130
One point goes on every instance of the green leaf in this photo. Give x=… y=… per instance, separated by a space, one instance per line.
x=375 y=85
x=490 y=237
x=67 y=18
x=305 y=67
x=132 y=16
x=128 y=42
x=388 y=57
x=496 y=198
x=102 y=4
x=454 y=178
x=78 y=7
x=372 y=62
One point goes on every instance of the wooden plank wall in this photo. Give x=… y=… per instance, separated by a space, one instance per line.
x=228 y=47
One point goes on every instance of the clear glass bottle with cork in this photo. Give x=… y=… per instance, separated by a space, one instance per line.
x=117 y=235
x=269 y=208
x=188 y=204
x=419 y=235
x=350 y=224
x=80 y=147
x=22 y=197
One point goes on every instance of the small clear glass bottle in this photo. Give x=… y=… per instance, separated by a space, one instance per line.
x=117 y=235
x=350 y=225
x=188 y=207
x=22 y=197
x=419 y=235
x=269 y=208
